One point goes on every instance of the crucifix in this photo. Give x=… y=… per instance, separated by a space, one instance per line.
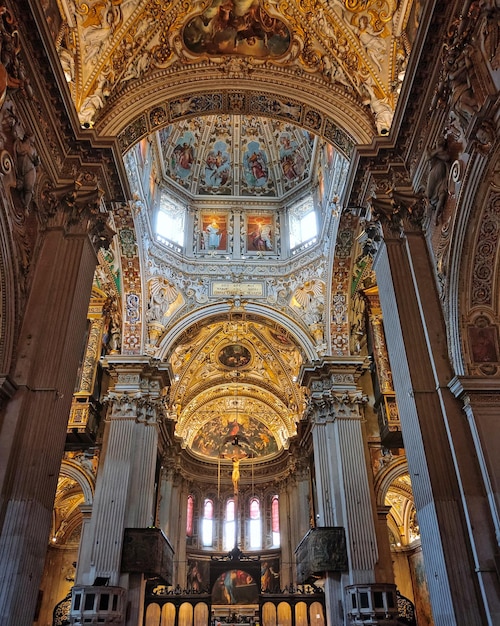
x=237 y=455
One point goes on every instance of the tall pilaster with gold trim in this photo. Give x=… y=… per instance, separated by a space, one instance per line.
x=33 y=425
x=125 y=487
x=343 y=481
x=444 y=471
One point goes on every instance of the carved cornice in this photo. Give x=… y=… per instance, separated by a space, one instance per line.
x=476 y=391
x=132 y=373
x=63 y=148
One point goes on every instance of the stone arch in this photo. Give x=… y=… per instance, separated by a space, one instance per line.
x=67 y=514
x=387 y=476
x=474 y=265
x=81 y=476
x=8 y=304
x=167 y=97
x=214 y=312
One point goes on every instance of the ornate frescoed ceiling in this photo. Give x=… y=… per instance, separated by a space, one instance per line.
x=356 y=49
x=236 y=97
x=233 y=155
x=236 y=379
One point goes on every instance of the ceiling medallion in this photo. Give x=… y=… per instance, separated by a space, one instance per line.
x=234 y=356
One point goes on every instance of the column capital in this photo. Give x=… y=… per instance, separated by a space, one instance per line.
x=138 y=388
x=136 y=373
x=333 y=391
x=78 y=207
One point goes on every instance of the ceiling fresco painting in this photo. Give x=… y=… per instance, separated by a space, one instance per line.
x=221 y=434
x=237 y=27
x=356 y=47
x=234 y=385
x=236 y=155
x=237 y=99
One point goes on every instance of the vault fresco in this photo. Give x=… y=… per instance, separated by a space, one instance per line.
x=237 y=27
x=217 y=437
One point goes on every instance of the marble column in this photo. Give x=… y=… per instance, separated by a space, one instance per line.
x=295 y=513
x=125 y=486
x=33 y=425
x=441 y=460
x=344 y=490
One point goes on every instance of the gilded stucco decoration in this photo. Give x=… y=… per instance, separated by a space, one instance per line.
x=360 y=48
x=240 y=374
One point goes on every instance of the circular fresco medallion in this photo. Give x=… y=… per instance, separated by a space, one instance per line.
x=234 y=355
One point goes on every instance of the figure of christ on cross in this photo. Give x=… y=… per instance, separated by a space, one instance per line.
x=236 y=456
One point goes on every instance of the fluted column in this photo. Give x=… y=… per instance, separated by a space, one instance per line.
x=172 y=514
x=343 y=480
x=295 y=513
x=33 y=428
x=125 y=486
x=439 y=451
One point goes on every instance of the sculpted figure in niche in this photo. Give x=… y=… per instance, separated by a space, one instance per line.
x=437 y=183
x=27 y=160
x=463 y=98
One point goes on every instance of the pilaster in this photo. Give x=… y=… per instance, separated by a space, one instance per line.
x=124 y=496
x=125 y=487
x=435 y=441
x=33 y=429
x=343 y=480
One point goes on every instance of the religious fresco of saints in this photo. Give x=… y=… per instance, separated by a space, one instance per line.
x=235 y=355
x=198 y=575
x=240 y=27
x=292 y=162
x=484 y=344
x=217 y=167
x=255 y=165
x=217 y=437
x=213 y=232
x=183 y=156
x=270 y=576
x=260 y=233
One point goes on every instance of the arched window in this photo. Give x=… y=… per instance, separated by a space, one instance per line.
x=207 y=531
x=189 y=516
x=303 y=222
x=230 y=526
x=170 y=220
x=255 y=526
x=275 y=520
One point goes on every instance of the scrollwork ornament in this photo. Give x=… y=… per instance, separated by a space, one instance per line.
x=6 y=163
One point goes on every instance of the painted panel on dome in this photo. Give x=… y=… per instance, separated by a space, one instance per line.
x=255 y=166
x=216 y=438
x=217 y=169
x=292 y=161
x=241 y=27
x=183 y=157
